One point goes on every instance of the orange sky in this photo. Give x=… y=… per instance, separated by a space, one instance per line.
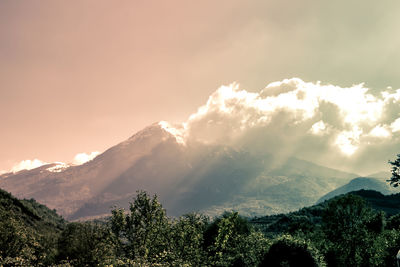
x=81 y=76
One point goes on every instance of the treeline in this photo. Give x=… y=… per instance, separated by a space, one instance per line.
x=344 y=231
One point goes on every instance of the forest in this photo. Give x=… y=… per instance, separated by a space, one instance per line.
x=356 y=229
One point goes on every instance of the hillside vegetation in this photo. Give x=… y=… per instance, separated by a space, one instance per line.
x=357 y=229
x=28 y=231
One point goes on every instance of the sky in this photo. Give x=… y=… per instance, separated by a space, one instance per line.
x=81 y=76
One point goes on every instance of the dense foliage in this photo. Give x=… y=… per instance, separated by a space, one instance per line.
x=344 y=231
x=28 y=232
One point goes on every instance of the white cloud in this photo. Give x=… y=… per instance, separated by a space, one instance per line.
x=318 y=128
x=304 y=119
x=27 y=165
x=79 y=159
x=348 y=141
x=380 y=132
x=230 y=110
x=395 y=126
x=82 y=158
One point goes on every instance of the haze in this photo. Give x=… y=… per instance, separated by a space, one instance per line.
x=82 y=76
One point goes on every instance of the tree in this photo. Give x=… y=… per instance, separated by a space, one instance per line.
x=17 y=242
x=350 y=227
x=292 y=251
x=393 y=223
x=395 y=179
x=385 y=248
x=143 y=233
x=231 y=241
x=188 y=238
x=86 y=244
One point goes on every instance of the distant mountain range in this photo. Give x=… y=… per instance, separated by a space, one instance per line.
x=186 y=177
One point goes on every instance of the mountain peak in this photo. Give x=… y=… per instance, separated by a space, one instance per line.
x=163 y=130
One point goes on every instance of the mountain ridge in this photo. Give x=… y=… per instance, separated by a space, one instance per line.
x=359 y=183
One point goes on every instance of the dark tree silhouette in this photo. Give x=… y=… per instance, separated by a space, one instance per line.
x=395 y=179
x=291 y=251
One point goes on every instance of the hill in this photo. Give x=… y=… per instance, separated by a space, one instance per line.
x=29 y=232
x=308 y=217
x=31 y=213
x=366 y=183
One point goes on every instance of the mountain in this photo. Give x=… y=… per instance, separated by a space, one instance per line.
x=366 y=183
x=265 y=188
x=186 y=177
x=70 y=188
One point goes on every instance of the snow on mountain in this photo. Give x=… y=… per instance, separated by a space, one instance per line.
x=58 y=167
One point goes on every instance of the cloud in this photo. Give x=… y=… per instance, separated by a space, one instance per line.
x=395 y=126
x=82 y=158
x=331 y=125
x=27 y=165
x=175 y=131
x=319 y=128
